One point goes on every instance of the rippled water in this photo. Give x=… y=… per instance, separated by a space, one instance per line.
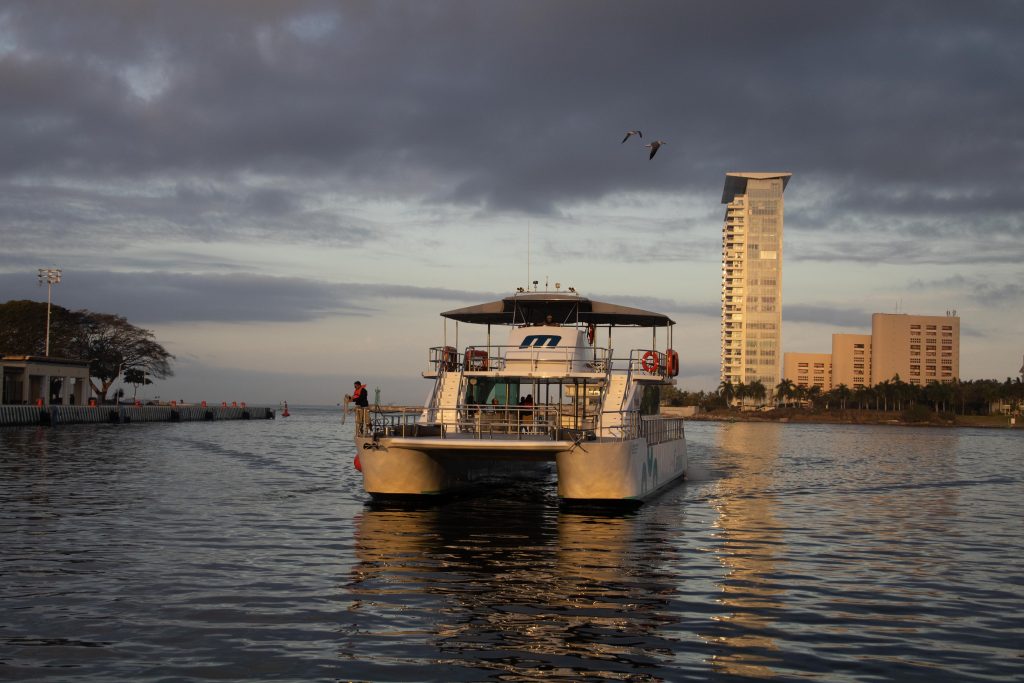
x=244 y=550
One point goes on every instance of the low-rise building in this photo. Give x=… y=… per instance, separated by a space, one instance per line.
x=26 y=380
x=851 y=360
x=920 y=349
x=808 y=369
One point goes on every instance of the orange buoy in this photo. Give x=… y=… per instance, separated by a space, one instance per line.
x=285 y=413
x=359 y=465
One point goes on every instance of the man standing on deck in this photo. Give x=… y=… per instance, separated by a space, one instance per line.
x=362 y=403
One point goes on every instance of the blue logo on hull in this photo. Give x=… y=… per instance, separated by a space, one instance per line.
x=540 y=340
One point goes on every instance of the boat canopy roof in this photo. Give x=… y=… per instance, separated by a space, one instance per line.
x=533 y=308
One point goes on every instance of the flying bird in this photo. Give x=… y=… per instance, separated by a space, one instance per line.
x=631 y=133
x=654 y=147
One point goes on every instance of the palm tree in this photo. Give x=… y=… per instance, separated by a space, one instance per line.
x=784 y=390
x=843 y=394
x=883 y=390
x=814 y=395
x=757 y=391
x=741 y=393
x=727 y=391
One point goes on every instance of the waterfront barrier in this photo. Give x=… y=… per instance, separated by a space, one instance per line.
x=12 y=415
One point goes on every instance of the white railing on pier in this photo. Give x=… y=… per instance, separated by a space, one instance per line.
x=20 y=415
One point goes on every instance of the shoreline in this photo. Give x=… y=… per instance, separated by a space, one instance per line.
x=851 y=417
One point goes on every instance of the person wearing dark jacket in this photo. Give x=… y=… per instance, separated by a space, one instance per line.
x=362 y=403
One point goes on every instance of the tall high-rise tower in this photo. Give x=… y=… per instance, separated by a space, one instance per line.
x=752 y=277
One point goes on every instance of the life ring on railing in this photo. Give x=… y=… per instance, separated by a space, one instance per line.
x=649 y=362
x=449 y=358
x=476 y=359
x=671 y=363
x=591 y=333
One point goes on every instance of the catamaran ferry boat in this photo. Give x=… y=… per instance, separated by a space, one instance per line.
x=551 y=395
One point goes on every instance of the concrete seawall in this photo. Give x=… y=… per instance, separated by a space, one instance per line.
x=58 y=415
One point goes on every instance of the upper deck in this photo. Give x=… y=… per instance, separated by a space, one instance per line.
x=553 y=335
x=556 y=308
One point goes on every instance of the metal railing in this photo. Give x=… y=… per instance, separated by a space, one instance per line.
x=500 y=357
x=550 y=422
x=647 y=362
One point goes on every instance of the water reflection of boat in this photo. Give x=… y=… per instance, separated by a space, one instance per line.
x=516 y=588
x=549 y=394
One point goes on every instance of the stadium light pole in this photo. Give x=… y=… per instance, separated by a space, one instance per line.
x=51 y=276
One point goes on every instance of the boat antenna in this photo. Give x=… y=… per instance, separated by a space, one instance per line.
x=528 y=229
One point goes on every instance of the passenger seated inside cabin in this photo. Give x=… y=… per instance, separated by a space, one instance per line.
x=550 y=321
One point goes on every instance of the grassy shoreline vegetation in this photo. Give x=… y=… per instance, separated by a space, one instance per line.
x=915 y=417
x=972 y=403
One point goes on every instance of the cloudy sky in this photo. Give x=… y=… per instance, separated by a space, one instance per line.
x=287 y=193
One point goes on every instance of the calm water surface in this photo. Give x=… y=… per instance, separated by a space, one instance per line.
x=247 y=550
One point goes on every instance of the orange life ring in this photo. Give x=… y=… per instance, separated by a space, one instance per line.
x=671 y=363
x=591 y=333
x=476 y=359
x=649 y=362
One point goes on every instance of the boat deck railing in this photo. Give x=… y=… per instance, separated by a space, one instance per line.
x=641 y=363
x=526 y=423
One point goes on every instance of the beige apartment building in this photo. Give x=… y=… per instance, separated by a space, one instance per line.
x=851 y=360
x=919 y=348
x=752 y=277
x=808 y=369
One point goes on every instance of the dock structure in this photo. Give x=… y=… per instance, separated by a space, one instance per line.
x=51 y=415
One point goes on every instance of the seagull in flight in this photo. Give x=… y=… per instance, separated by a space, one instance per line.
x=630 y=133
x=654 y=147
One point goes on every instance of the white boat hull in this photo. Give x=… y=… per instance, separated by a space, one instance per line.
x=595 y=471
x=619 y=470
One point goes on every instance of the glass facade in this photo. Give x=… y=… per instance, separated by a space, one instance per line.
x=752 y=278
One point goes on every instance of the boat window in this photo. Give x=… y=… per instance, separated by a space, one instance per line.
x=486 y=389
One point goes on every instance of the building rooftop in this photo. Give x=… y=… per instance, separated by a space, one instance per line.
x=736 y=182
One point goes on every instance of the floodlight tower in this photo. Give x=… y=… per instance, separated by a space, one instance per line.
x=51 y=276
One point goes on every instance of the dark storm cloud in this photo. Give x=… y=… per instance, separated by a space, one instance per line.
x=161 y=296
x=84 y=217
x=916 y=106
x=156 y=297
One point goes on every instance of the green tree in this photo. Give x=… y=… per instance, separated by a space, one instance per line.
x=843 y=395
x=784 y=390
x=23 y=329
x=814 y=395
x=741 y=393
x=727 y=391
x=757 y=391
x=135 y=377
x=111 y=344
